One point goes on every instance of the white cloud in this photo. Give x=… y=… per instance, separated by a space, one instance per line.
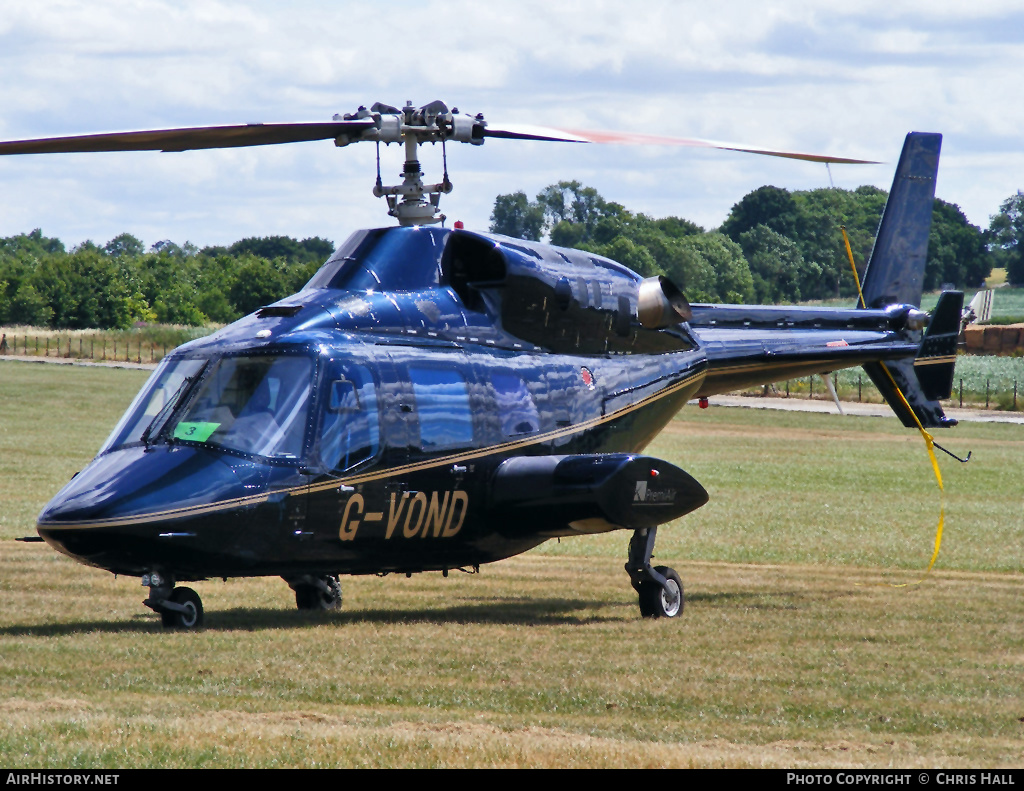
x=801 y=75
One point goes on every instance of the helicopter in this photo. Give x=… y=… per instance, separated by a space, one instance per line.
x=436 y=399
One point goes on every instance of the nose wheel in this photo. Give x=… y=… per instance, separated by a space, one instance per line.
x=659 y=588
x=179 y=608
x=190 y=614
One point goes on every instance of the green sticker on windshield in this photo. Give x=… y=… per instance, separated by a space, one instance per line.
x=197 y=432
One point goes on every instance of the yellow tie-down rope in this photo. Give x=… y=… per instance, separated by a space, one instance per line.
x=929 y=441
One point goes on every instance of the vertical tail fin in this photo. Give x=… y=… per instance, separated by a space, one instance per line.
x=895 y=273
x=895 y=276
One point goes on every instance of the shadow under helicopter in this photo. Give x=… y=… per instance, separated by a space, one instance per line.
x=505 y=611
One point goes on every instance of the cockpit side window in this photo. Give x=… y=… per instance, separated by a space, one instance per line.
x=350 y=428
x=166 y=384
x=257 y=404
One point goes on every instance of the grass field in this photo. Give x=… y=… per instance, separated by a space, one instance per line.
x=794 y=650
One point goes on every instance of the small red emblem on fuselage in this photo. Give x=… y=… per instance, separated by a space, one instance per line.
x=588 y=377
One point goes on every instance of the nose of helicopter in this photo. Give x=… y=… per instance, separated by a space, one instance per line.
x=126 y=498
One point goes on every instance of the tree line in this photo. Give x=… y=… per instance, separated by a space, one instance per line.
x=775 y=246
x=121 y=283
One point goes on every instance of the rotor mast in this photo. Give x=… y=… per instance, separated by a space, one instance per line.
x=412 y=202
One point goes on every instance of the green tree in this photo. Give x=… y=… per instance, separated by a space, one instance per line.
x=258 y=282
x=957 y=252
x=777 y=268
x=1006 y=237
x=769 y=206
x=29 y=307
x=124 y=245
x=515 y=215
x=733 y=281
x=571 y=202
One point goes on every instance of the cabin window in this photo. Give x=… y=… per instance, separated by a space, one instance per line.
x=516 y=408
x=350 y=431
x=442 y=401
x=257 y=405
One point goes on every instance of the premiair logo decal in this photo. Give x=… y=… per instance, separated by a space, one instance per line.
x=645 y=495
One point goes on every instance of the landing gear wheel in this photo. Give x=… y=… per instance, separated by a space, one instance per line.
x=312 y=597
x=662 y=602
x=191 y=618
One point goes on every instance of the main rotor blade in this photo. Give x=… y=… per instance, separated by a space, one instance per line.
x=192 y=138
x=531 y=132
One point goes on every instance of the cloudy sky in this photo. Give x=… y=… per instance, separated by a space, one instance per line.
x=798 y=75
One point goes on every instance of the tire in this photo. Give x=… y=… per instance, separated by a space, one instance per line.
x=656 y=601
x=310 y=597
x=192 y=619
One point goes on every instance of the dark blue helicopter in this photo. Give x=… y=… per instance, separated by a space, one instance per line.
x=438 y=399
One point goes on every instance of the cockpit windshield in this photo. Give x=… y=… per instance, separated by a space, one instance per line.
x=256 y=404
x=167 y=384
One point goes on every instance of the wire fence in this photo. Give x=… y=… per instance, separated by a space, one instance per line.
x=122 y=346
x=971 y=390
x=980 y=382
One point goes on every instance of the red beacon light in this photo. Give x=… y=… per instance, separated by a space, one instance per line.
x=702 y=403
x=459 y=225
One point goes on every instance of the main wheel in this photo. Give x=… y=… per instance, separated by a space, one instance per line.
x=192 y=618
x=310 y=597
x=662 y=602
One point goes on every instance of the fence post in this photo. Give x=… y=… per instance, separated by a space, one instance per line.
x=961 y=393
x=986 y=393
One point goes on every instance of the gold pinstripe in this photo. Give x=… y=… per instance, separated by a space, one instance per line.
x=949 y=358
